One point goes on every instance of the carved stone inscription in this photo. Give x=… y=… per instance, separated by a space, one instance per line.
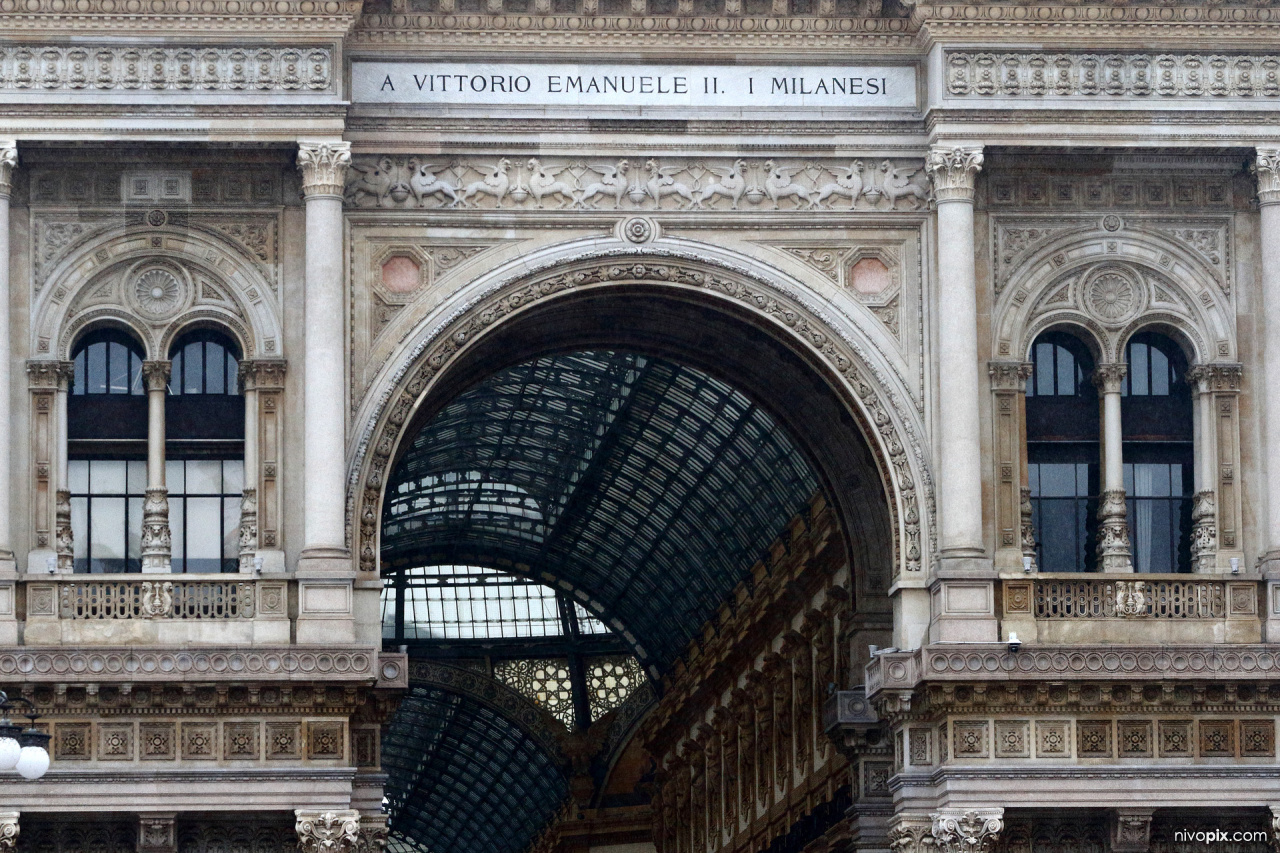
x=697 y=86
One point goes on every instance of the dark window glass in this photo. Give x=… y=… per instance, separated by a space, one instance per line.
x=1153 y=367
x=107 y=362
x=1159 y=497
x=204 y=362
x=1062 y=453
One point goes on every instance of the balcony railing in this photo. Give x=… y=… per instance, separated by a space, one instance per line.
x=144 y=599
x=1107 y=599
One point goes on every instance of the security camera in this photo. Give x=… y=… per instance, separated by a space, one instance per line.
x=1014 y=643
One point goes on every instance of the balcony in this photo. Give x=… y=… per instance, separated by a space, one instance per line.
x=156 y=610
x=1148 y=608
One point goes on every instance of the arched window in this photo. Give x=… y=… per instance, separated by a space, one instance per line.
x=534 y=638
x=204 y=452
x=1062 y=453
x=1156 y=420
x=106 y=452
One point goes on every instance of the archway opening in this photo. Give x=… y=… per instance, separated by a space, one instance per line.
x=626 y=459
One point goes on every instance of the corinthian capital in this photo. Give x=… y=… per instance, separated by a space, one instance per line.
x=155 y=374
x=1110 y=377
x=327 y=831
x=967 y=830
x=324 y=167
x=8 y=831
x=1267 y=168
x=8 y=160
x=953 y=170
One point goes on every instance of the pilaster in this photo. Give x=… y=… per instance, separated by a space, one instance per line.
x=1267 y=170
x=50 y=503
x=327 y=831
x=262 y=383
x=1014 y=536
x=1217 y=510
x=8 y=162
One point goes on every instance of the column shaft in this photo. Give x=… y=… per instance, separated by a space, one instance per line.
x=156 y=539
x=249 y=502
x=1114 y=554
x=62 y=501
x=960 y=476
x=1268 y=171
x=324 y=168
x=8 y=159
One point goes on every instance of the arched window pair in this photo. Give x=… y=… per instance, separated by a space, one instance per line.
x=1064 y=453
x=107 y=431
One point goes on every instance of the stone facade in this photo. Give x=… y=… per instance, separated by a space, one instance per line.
x=1101 y=169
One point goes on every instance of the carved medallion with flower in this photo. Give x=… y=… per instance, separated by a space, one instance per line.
x=1112 y=295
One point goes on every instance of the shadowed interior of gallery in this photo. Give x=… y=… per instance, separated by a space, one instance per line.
x=554 y=535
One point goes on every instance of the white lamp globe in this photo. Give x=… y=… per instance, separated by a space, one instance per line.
x=9 y=752
x=33 y=762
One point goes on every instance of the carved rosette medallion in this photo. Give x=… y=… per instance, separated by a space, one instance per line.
x=953 y=171
x=1112 y=295
x=8 y=162
x=157 y=293
x=1114 y=554
x=328 y=831
x=324 y=167
x=1267 y=169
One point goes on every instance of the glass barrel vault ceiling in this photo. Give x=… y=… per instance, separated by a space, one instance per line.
x=648 y=486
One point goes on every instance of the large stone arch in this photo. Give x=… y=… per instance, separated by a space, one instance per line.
x=779 y=305
x=1155 y=279
x=204 y=279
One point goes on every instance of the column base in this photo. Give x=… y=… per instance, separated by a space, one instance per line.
x=325 y=561
x=962 y=609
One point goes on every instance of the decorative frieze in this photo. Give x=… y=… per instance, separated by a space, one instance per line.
x=638 y=182
x=153 y=68
x=262 y=663
x=1192 y=75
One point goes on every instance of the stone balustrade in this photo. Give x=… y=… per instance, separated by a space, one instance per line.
x=1160 y=608
x=146 y=609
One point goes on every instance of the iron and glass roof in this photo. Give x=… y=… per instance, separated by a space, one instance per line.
x=648 y=487
x=463 y=778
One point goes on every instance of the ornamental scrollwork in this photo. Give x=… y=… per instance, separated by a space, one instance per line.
x=328 y=831
x=634 y=183
x=151 y=68
x=971 y=831
x=324 y=166
x=1190 y=75
x=954 y=170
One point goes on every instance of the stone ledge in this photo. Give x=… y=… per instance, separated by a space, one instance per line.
x=338 y=663
x=994 y=662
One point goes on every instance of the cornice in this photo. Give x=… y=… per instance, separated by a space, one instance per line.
x=211 y=20
x=132 y=664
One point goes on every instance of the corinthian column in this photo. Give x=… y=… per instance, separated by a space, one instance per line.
x=156 y=539
x=953 y=171
x=967 y=830
x=8 y=160
x=8 y=831
x=1114 y=554
x=1268 y=171
x=324 y=168
x=327 y=831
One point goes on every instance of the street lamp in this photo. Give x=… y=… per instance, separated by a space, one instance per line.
x=24 y=750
